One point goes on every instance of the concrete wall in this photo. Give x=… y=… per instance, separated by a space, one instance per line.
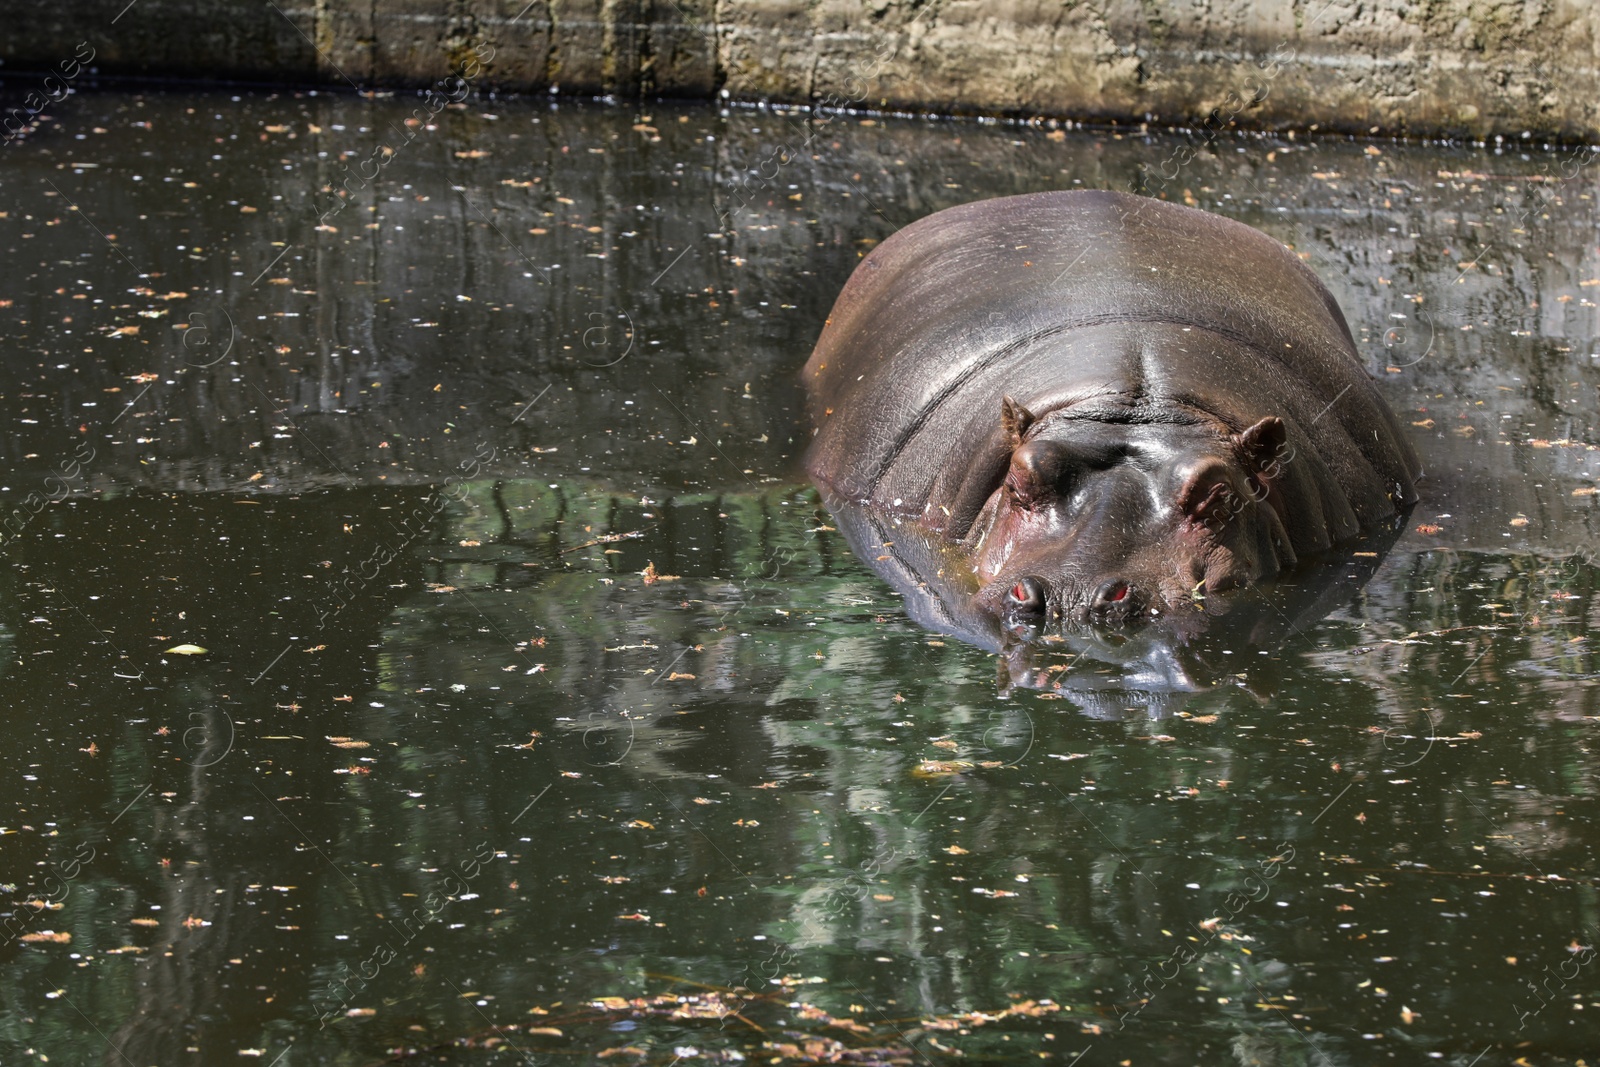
x=1458 y=67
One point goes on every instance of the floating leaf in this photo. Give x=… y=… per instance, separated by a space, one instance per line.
x=51 y=936
x=187 y=650
x=651 y=577
x=937 y=768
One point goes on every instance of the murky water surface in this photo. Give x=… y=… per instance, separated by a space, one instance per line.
x=535 y=675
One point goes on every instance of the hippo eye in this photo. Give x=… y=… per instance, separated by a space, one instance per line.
x=1040 y=471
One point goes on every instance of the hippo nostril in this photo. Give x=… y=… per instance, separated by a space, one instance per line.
x=1026 y=595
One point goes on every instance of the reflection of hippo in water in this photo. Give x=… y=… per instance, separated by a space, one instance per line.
x=1103 y=408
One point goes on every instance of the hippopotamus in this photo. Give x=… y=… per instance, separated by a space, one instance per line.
x=1096 y=409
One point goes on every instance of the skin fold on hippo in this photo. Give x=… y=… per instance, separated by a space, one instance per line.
x=1103 y=409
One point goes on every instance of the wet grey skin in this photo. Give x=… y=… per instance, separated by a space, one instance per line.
x=1111 y=408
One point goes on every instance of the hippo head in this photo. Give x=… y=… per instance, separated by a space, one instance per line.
x=1105 y=520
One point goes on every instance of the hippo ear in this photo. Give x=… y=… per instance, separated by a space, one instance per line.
x=1264 y=451
x=1015 y=420
x=1263 y=447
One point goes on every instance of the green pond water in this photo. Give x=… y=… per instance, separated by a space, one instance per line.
x=544 y=717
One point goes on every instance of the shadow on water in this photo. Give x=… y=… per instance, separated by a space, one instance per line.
x=532 y=676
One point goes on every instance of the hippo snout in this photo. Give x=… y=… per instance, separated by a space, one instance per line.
x=1030 y=601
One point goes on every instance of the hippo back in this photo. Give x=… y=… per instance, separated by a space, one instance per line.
x=1061 y=297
